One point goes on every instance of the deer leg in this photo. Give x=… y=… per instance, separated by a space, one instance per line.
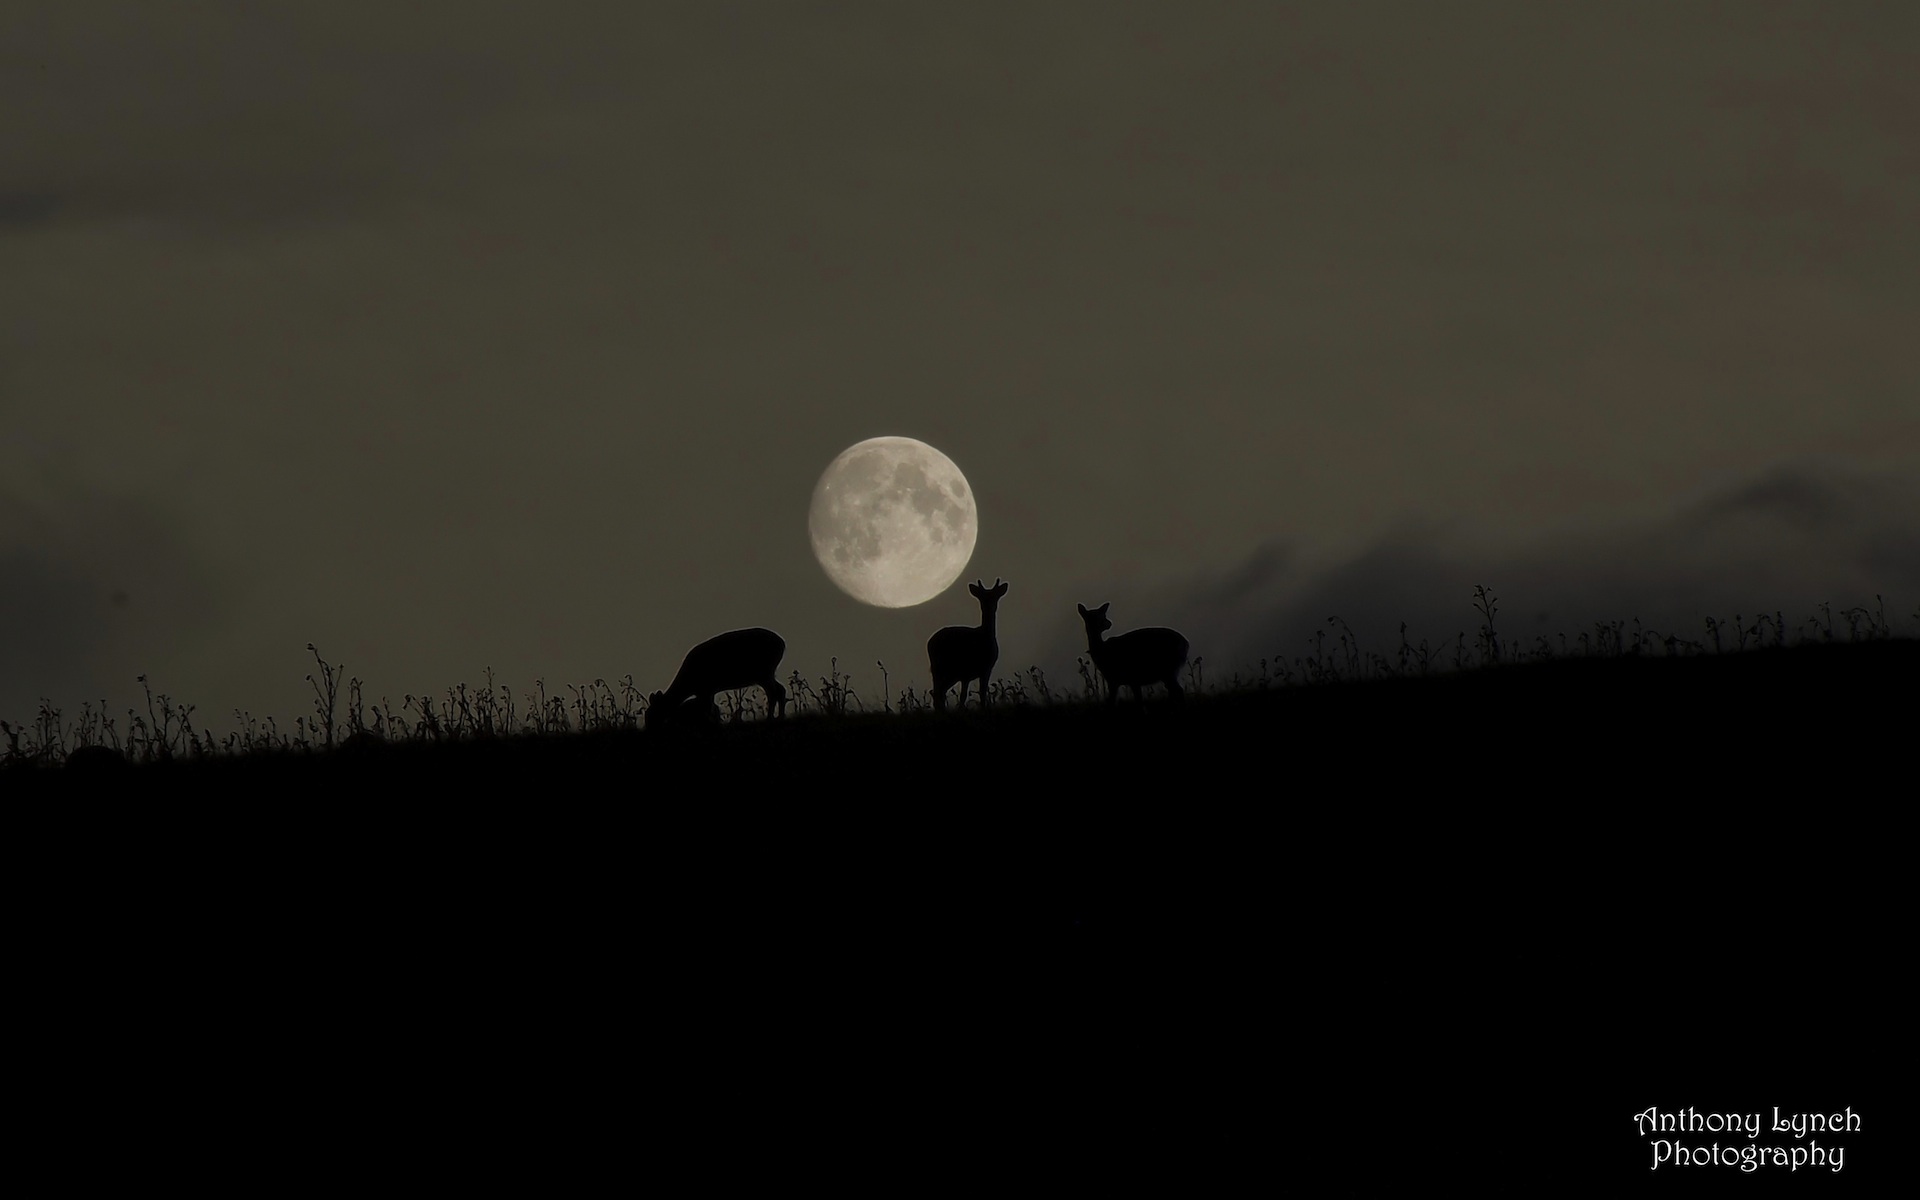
x=939 y=696
x=983 y=692
x=1173 y=688
x=963 y=692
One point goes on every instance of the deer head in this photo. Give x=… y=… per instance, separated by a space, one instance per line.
x=1096 y=618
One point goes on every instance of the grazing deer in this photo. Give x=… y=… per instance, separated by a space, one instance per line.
x=741 y=658
x=361 y=742
x=1135 y=659
x=96 y=758
x=963 y=653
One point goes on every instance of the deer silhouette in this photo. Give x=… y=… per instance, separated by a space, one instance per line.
x=362 y=742
x=96 y=758
x=1135 y=659
x=963 y=653
x=738 y=659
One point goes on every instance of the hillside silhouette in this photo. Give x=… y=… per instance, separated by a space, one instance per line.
x=1604 y=749
x=1548 y=886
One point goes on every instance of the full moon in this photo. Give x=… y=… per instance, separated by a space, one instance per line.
x=893 y=522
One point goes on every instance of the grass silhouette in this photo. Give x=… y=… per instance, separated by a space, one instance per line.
x=1335 y=694
x=1595 y=667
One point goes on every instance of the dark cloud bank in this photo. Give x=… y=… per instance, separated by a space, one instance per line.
x=1787 y=540
x=87 y=585
x=83 y=584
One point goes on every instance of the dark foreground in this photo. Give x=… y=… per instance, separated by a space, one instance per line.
x=1365 y=937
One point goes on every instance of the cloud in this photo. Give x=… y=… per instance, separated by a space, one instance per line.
x=20 y=209
x=1787 y=540
x=94 y=590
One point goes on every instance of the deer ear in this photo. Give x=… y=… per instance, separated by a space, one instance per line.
x=1000 y=589
x=1082 y=608
x=1102 y=610
x=975 y=589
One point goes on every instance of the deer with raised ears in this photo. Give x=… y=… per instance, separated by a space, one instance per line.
x=1135 y=659
x=739 y=659
x=964 y=653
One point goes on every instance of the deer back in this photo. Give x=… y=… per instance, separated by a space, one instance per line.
x=962 y=651
x=740 y=658
x=1142 y=655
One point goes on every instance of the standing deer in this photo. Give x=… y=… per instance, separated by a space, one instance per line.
x=1135 y=659
x=741 y=658
x=963 y=653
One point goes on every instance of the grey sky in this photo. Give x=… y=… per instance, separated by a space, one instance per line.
x=448 y=335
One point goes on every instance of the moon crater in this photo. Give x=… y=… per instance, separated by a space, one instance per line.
x=893 y=522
